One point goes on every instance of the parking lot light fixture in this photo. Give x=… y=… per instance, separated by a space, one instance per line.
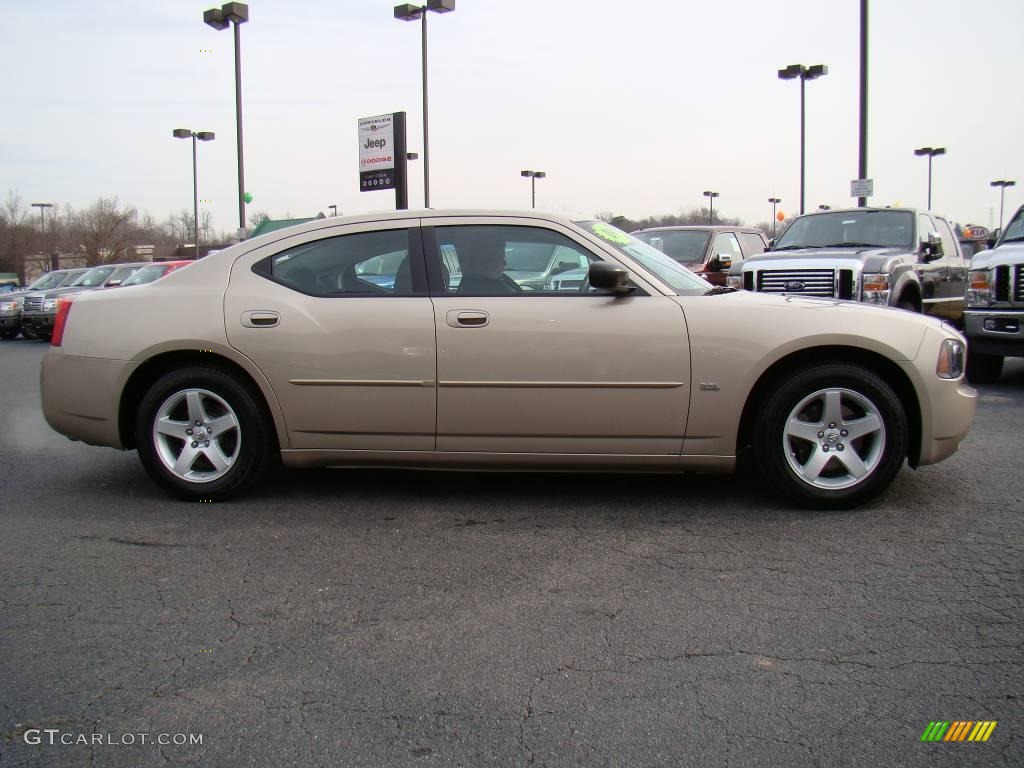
x=411 y=12
x=930 y=152
x=185 y=133
x=222 y=18
x=711 y=202
x=1002 y=184
x=533 y=176
x=792 y=72
x=774 y=201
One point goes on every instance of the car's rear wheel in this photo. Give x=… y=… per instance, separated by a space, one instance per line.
x=831 y=436
x=982 y=368
x=202 y=435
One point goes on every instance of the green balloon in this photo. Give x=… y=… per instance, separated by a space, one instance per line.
x=247 y=197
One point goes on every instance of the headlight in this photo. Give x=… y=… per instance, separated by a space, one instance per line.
x=734 y=281
x=951 y=359
x=979 y=294
x=8 y=306
x=875 y=287
x=49 y=305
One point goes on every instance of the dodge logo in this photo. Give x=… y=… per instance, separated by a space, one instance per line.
x=794 y=285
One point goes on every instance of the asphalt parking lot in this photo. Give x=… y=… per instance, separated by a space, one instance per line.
x=358 y=618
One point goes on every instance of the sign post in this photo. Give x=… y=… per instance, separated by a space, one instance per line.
x=382 y=160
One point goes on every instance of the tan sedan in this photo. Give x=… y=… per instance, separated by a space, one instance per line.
x=403 y=339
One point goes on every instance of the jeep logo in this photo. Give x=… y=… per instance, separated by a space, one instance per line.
x=794 y=285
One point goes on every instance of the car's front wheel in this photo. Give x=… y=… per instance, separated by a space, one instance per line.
x=831 y=436
x=201 y=434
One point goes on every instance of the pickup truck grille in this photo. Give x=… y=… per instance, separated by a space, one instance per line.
x=33 y=304
x=1018 y=286
x=802 y=282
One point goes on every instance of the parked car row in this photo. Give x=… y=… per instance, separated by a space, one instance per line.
x=33 y=311
x=463 y=339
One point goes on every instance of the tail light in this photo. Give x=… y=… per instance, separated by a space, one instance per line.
x=61 y=321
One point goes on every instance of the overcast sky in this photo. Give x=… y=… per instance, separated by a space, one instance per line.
x=631 y=107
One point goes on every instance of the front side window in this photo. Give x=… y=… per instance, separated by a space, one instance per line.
x=687 y=246
x=727 y=244
x=495 y=260
x=1015 y=229
x=668 y=270
x=362 y=264
x=752 y=242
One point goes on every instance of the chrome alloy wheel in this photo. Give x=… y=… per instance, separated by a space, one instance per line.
x=197 y=435
x=834 y=438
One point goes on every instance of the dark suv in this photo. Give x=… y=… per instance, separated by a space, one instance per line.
x=897 y=257
x=709 y=251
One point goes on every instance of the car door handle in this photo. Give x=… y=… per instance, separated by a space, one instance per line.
x=467 y=318
x=260 y=319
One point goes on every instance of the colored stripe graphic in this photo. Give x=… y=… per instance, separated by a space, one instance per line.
x=935 y=731
x=959 y=730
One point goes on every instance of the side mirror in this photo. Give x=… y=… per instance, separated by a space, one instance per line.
x=771 y=243
x=931 y=248
x=721 y=261
x=994 y=238
x=609 y=277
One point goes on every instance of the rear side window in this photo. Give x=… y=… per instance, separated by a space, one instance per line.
x=385 y=263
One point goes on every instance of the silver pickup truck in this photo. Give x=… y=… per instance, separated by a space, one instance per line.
x=994 y=318
x=897 y=257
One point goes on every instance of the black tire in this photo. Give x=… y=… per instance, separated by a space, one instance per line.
x=28 y=333
x=907 y=305
x=253 y=442
x=982 y=368
x=778 y=455
x=9 y=334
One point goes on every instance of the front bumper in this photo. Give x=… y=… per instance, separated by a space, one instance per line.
x=995 y=331
x=10 y=321
x=38 y=321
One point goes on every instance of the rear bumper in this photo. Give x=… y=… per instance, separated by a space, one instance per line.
x=81 y=396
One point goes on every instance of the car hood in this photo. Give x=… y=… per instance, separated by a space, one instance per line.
x=859 y=254
x=1011 y=253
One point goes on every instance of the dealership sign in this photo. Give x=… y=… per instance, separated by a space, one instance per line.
x=377 y=153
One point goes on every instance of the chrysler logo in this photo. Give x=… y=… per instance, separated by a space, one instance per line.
x=795 y=285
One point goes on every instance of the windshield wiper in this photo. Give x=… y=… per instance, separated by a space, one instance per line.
x=720 y=289
x=853 y=245
x=793 y=247
x=1013 y=239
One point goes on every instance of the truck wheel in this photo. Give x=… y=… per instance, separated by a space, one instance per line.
x=9 y=334
x=907 y=305
x=28 y=333
x=202 y=435
x=982 y=368
x=831 y=436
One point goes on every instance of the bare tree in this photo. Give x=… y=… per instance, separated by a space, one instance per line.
x=258 y=218
x=16 y=234
x=105 y=231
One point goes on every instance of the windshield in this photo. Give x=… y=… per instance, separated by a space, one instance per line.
x=123 y=273
x=878 y=229
x=51 y=280
x=670 y=272
x=685 y=246
x=92 y=278
x=1015 y=229
x=147 y=274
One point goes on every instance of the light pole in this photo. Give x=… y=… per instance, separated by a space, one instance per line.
x=185 y=133
x=42 y=220
x=410 y=12
x=711 y=201
x=774 y=201
x=1002 y=184
x=930 y=152
x=221 y=18
x=533 y=176
x=792 y=72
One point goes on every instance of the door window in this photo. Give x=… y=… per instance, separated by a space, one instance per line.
x=496 y=260
x=752 y=242
x=385 y=263
x=727 y=244
x=950 y=253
